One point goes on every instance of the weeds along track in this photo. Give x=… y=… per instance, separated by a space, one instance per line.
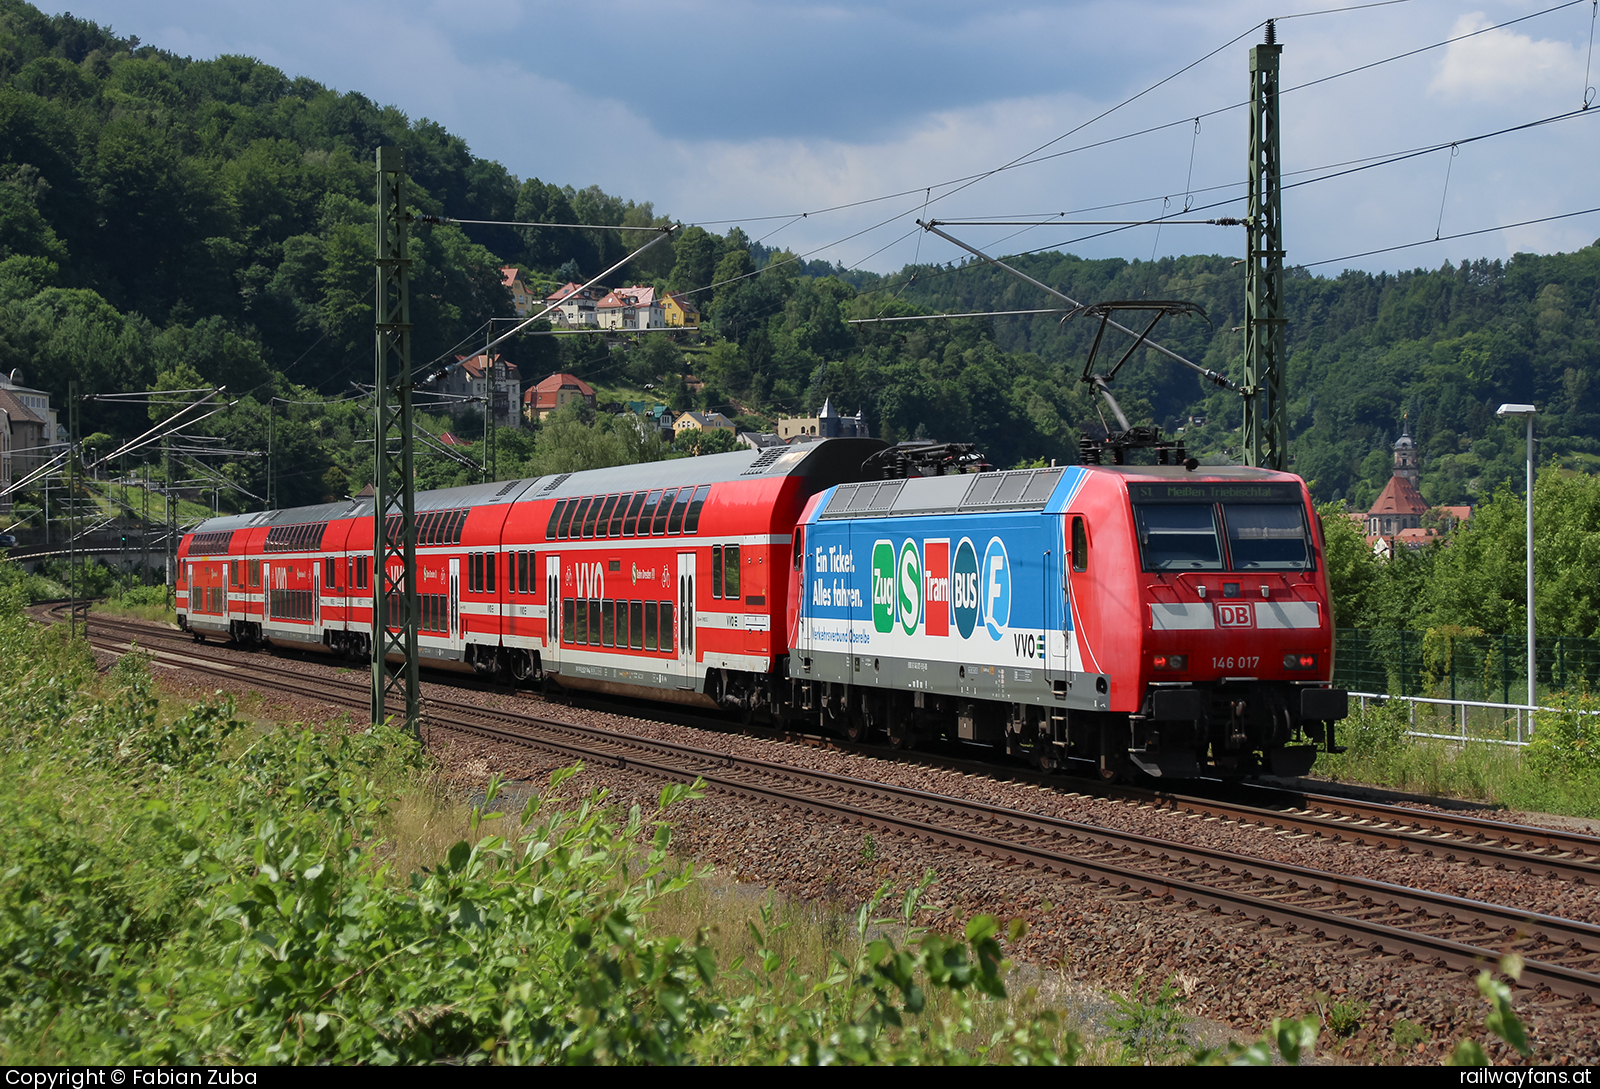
x=1459 y=838
x=1432 y=930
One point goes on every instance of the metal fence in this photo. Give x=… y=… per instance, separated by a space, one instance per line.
x=1460 y=720
x=1444 y=664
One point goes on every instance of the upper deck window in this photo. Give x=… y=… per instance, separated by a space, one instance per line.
x=1267 y=537
x=1178 y=537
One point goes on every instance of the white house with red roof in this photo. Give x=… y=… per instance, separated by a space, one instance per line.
x=631 y=308
x=577 y=305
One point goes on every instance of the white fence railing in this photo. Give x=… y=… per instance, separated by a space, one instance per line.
x=1523 y=717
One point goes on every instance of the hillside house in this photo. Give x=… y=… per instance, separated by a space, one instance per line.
x=632 y=309
x=523 y=301
x=475 y=377
x=554 y=392
x=680 y=312
x=577 y=306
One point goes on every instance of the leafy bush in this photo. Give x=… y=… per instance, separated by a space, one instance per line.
x=1566 y=741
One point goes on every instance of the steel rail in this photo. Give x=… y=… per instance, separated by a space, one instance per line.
x=721 y=771
x=1334 y=820
x=1322 y=924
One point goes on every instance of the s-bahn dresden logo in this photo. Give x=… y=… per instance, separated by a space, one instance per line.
x=909 y=601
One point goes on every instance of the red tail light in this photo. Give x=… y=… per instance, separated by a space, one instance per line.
x=1299 y=661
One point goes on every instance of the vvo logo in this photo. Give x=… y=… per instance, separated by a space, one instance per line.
x=1235 y=615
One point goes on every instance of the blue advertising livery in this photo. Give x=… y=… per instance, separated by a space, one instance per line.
x=948 y=585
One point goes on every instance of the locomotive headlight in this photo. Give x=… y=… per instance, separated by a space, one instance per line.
x=1177 y=663
x=1299 y=661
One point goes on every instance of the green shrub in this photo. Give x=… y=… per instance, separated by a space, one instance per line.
x=1566 y=741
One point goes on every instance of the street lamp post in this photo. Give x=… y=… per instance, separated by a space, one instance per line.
x=1527 y=412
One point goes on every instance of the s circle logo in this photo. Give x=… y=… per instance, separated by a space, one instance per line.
x=910 y=591
x=996 y=588
x=964 y=588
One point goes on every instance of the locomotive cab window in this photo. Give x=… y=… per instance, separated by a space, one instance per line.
x=1178 y=536
x=1267 y=537
x=1080 y=545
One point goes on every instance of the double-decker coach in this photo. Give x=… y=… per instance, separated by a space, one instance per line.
x=661 y=580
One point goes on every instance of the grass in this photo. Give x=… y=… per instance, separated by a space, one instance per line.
x=1380 y=754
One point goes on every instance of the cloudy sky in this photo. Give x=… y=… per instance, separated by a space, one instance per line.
x=722 y=111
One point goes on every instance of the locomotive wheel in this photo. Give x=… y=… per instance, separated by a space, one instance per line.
x=855 y=726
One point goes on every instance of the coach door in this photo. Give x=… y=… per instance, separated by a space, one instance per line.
x=552 y=613
x=686 y=633
x=316 y=598
x=456 y=636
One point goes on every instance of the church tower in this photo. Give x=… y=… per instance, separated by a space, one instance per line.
x=1405 y=456
x=1400 y=506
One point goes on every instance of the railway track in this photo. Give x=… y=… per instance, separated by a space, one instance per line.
x=1432 y=929
x=1452 y=837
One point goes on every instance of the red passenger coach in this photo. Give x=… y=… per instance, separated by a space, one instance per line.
x=662 y=580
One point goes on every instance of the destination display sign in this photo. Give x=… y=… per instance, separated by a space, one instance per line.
x=1210 y=492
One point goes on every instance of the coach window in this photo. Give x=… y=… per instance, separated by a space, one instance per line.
x=581 y=515
x=519 y=582
x=329 y=577
x=691 y=524
x=649 y=625
x=490 y=559
x=589 y=518
x=255 y=573
x=457 y=526
x=679 y=509
x=603 y=527
x=569 y=631
x=581 y=634
x=425 y=527
x=648 y=514
x=716 y=571
x=594 y=621
x=622 y=624
x=730 y=573
x=666 y=626
x=1080 y=545
x=617 y=514
x=608 y=623
x=658 y=527
x=567 y=518
x=633 y=514
x=555 y=519
x=636 y=625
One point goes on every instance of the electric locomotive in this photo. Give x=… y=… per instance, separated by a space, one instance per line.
x=1156 y=618
x=1161 y=619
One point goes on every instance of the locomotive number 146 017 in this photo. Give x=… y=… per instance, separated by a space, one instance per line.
x=1242 y=662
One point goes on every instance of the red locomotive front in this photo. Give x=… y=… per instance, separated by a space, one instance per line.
x=1210 y=612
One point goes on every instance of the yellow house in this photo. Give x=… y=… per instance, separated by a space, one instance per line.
x=703 y=421
x=681 y=312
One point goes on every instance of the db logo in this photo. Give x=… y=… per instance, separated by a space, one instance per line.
x=1235 y=616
